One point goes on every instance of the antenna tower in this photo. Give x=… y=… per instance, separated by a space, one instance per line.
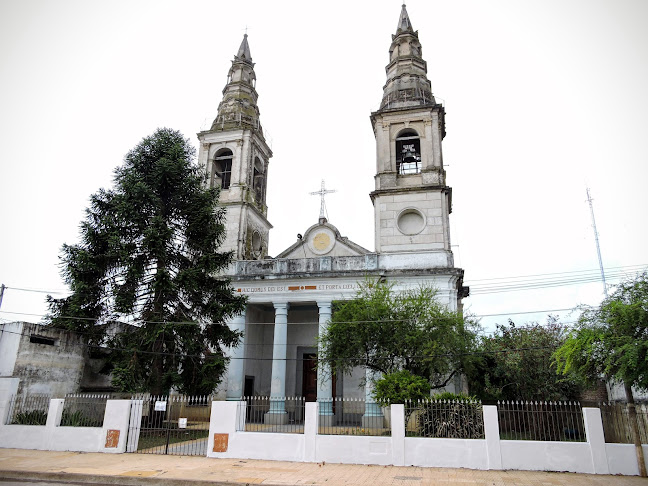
x=598 y=247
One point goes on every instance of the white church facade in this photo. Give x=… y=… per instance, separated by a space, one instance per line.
x=290 y=296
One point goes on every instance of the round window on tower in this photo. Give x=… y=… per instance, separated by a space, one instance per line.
x=410 y=221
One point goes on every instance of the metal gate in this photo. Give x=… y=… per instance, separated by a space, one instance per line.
x=174 y=424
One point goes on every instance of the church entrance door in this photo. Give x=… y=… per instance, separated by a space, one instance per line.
x=309 y=383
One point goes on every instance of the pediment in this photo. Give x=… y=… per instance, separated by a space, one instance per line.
x=322 y=239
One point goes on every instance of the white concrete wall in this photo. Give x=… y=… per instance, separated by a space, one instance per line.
x=592 y=456
x=10 y=334
x=53 y=437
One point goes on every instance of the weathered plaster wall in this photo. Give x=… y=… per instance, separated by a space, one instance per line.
x=54 y=368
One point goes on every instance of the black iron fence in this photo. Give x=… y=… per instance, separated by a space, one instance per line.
x=174 y=424
x=353 y=416
x=83 y=410
x=28 y=409
x=272 y=414
x=447 y=419
x=616 y=423
x=542 y=421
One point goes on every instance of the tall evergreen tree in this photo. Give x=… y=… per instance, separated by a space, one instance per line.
x=149 y=255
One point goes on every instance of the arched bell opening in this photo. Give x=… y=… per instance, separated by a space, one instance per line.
x=408 y=152
x=258 y=181
x=222 y=169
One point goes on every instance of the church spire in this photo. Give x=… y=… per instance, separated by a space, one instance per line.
x=244 y=51
x=404 y=23
x=407 y=84
x=239 y=106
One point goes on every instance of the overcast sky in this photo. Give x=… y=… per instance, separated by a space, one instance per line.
x=543 y=98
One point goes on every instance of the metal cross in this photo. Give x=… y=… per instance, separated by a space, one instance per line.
x=322 y=192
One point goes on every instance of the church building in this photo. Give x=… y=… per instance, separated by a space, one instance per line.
x=290 y=295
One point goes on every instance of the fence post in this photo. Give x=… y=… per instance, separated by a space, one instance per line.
x=311 y=417
x=491 y=432
x=398 y=434
x=53 y=420
x=222 y=428
x=596 y=439
x=115 y=426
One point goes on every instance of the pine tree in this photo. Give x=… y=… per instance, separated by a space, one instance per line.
x=149 y=256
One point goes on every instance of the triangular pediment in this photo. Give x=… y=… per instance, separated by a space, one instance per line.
x=322 y=239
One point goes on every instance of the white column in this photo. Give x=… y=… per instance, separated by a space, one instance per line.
x=235 y=376
x=277 y=413
x=324 y=383
x=372 y=409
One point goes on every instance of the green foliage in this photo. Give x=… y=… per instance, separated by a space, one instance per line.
x=453 y=397
x=78 y=419
x=612 y=339
x=31 y=417
x=148 y=255
x=399 y=386
x=517 y=364
x=387 y=331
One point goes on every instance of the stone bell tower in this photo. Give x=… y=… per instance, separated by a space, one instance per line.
x=236 y=155
x=411 y=201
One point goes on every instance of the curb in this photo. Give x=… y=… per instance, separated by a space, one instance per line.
x=76 y=478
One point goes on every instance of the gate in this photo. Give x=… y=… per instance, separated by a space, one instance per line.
x=174 y=424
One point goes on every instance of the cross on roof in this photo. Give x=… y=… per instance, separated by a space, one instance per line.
x=322 y=192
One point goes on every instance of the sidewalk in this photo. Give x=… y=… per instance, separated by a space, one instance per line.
x=145 y=469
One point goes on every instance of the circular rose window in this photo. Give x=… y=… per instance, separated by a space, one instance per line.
x=410 y=222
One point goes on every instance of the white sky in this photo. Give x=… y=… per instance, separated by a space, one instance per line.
x=543 y=97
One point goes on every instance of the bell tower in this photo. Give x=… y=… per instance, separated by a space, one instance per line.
x=236 y=155
x=411 y=200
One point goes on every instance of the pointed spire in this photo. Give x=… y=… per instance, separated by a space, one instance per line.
x=239 y=106
x=407 y=84
x=404 y=24
x=243 y=53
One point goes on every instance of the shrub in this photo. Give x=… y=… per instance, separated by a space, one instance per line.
x=452 y=416
x=31 y=417
x=400 y=386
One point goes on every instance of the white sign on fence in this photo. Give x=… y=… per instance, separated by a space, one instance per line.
x=182 y=423
x=160 y=406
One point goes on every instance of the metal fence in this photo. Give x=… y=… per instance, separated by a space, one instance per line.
x=444 y=419
x=83 y=410
x=542 y=421
x=616 y=425
x=28 y=410
x=174 y=424
x=266 y=414
x=353 y=416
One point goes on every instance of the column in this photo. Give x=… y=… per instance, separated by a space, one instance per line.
x=324 y=383
x=235 y=376
x=373 y=417
x=277 y=413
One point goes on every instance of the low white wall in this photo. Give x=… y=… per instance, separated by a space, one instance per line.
x=532 y=455
x=621 y=458
x=53 y=437
x=592 y=456
x=469 y=453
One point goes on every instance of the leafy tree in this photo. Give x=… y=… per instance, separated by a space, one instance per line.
x=149 y=256
x=399 y=386
x=516 y=363
x=611 y=341
x=387 y=331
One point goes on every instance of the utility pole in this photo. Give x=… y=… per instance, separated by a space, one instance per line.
x=598 y=247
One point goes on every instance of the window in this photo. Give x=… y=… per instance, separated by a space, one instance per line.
x=222 y=171
x=408 y=153
x=258 y=181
